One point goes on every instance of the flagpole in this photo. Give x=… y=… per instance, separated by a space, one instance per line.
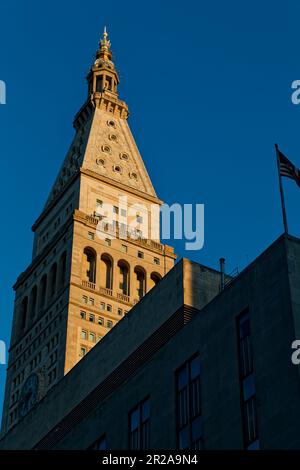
x=281 y=193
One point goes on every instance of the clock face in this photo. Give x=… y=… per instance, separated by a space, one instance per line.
x=29 y=394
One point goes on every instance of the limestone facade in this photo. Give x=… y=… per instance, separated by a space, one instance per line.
x=89 y=268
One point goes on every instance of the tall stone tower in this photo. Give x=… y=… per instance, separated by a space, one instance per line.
x=92 y=260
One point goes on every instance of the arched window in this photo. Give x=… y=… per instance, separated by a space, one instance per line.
x=123 y=284
x=62 y=269
x=89 y=265
x=108 y=83
x=33 y=302
x=106 y=271
x=99 y=86
x=24 y=309
x=140 y=280
x=53 y=278
x=155 y=278
x=42 y=292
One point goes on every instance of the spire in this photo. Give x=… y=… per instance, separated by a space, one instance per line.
x=103 y=77
x=104 y=42
x=103 y=81
x=104 y=54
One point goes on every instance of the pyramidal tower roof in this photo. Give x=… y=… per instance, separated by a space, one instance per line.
x=103 y=143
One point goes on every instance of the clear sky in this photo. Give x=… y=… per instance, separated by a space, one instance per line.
x=208 y=85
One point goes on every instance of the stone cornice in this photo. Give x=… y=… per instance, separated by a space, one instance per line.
x=105 y=100
x=122 y=186
x=104 y=179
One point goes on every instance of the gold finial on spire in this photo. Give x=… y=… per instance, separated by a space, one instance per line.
x=103 y=69
x=104 y=42
x=104 y=54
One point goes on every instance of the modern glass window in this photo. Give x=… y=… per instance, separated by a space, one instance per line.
x=100 y=444
x=139 y=426
x=188 y=406
x=247 y=381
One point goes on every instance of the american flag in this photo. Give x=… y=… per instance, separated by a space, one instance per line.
x=287 y=168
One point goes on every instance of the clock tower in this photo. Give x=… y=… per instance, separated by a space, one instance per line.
x=96 y=248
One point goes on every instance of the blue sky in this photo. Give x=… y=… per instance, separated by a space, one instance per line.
x=208 y=85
